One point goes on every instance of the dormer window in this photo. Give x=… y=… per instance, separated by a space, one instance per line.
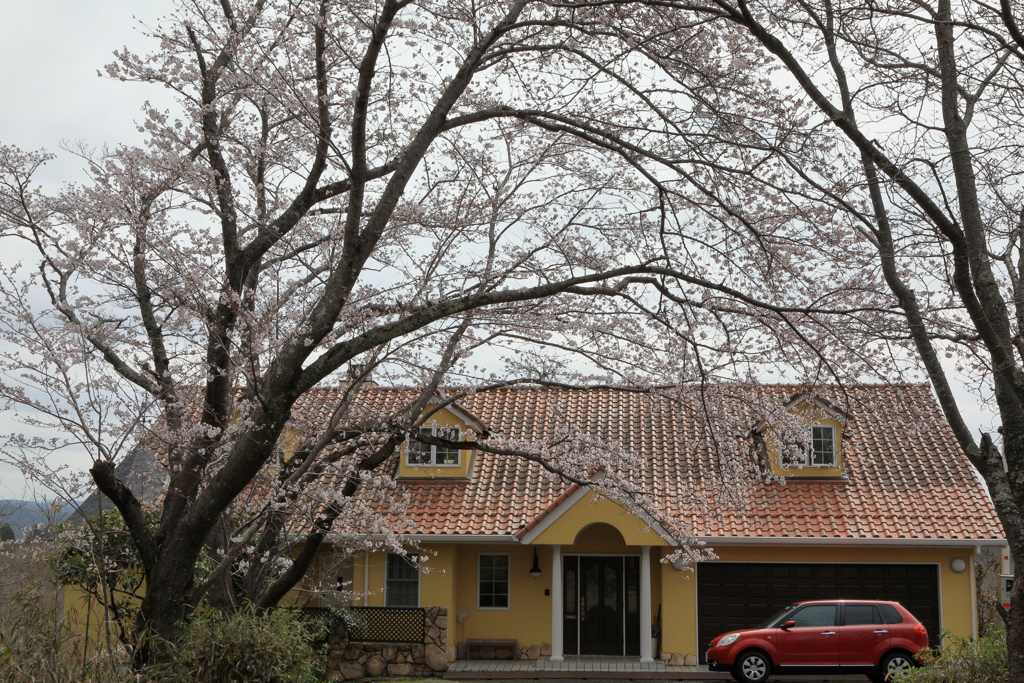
x=820 y=452
x=806 y=443
x=823 y=445
x=419 y=453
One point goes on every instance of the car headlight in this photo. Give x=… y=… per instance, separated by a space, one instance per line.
x=728 y=640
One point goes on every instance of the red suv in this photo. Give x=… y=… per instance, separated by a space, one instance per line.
x=823 y=636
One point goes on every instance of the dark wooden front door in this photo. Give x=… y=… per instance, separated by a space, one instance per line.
x=601 y=605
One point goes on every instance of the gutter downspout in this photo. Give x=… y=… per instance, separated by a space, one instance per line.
x=974 y=592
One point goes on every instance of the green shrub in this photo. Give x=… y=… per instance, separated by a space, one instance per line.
x=246 y=646
x=964 y=661
x=38 y=646
x=100 y=559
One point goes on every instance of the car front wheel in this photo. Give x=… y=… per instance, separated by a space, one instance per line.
x=752 y=667
x=894 y=664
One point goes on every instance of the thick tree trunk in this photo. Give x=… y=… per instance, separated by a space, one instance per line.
x=1015 y=632
x=165 y=607
x=1005 y=497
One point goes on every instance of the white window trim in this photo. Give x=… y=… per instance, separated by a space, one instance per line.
x=835 y=453
x=433 y=448
x=419 y=592
x=478 y=567
x=810 y=451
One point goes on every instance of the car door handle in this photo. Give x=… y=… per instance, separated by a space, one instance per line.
x=828 y=633
x=880 y=631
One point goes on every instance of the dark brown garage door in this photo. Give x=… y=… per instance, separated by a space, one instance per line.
x=732 y=595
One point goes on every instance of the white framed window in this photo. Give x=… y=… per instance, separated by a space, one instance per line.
x=493 y=581
x=823 y=445
x=819 y=451
x=401 y=581
x=419 y=453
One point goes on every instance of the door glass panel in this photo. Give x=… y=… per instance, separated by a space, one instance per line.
x=816 y=615
x=570 y=591
x=891 y=615
x=861 y=615
x=632 y=583
x=593 y=597
x=611 y=588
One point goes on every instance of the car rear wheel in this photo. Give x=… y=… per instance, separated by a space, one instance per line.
x=752 y=666
x=894 y=664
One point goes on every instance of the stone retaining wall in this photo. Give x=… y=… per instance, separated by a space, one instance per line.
x=348 y=660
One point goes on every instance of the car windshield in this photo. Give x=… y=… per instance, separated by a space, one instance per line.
x=777 y=617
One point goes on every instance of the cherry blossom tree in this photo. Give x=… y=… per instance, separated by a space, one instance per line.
x=922 y=103
x=437 y=192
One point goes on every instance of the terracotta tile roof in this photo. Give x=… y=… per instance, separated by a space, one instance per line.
x=905 y=476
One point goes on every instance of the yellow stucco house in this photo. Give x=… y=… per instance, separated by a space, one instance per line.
x=877 y=503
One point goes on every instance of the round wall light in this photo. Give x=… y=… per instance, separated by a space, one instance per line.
x=957 y=564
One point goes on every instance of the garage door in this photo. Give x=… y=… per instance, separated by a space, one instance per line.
x=732 y=595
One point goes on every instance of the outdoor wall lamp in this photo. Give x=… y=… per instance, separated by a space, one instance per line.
x=535 y=569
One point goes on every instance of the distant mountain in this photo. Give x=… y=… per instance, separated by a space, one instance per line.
x=21 y=514
x=140 y=471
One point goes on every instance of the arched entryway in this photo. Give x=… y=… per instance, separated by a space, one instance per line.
x=601 y=594
x=585 y=524
x=604 y=595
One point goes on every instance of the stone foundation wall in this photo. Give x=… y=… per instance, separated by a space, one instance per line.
x=535 y=651
x=678 y=659
x=349 y=660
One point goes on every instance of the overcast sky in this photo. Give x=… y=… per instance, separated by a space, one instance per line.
x=50 y=93
x=49 y=90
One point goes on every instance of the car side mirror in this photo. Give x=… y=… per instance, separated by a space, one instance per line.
x=788 y=624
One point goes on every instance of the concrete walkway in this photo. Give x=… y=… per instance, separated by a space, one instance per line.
x=599 y=668
x=543 y=667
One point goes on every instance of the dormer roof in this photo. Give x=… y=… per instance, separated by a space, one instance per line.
x=805 y=396
x=462 y=413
